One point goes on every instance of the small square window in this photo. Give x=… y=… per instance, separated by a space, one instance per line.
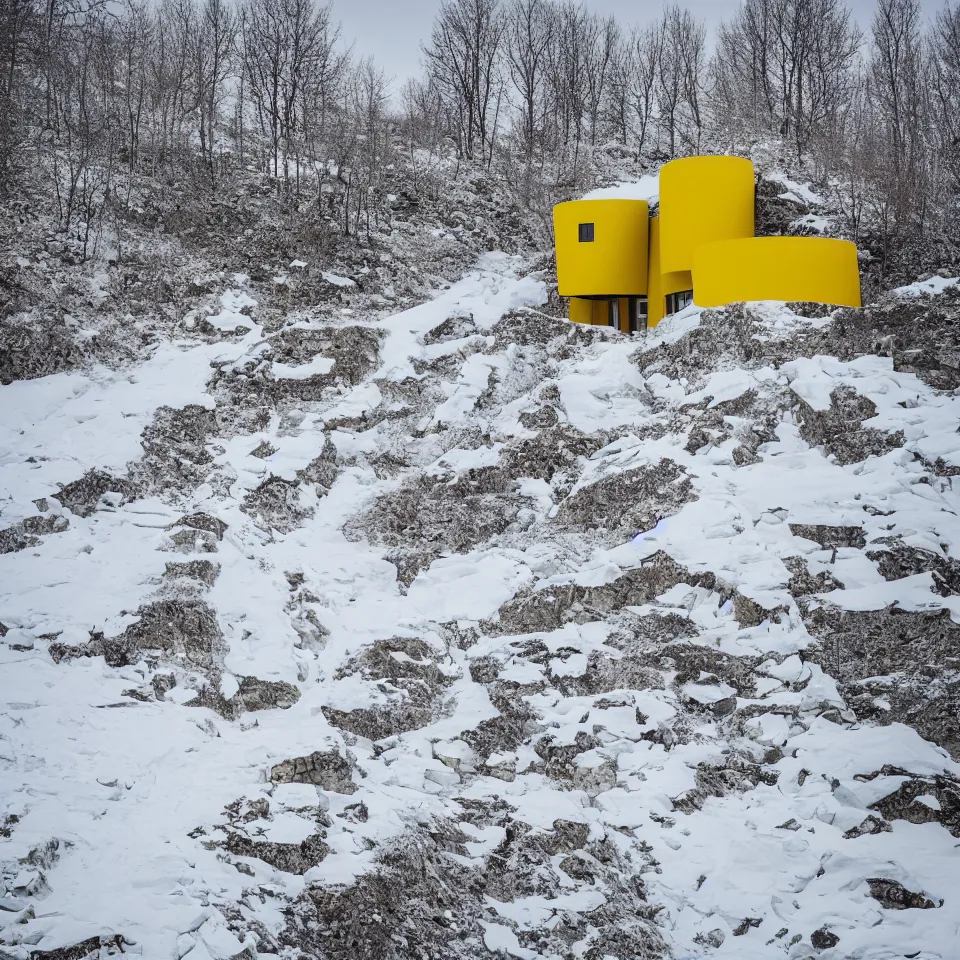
x=586 y=233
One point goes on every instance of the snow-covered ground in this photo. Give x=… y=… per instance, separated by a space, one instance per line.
x=625 y=733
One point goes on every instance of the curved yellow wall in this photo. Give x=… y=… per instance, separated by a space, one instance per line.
x=702 y=200
x=814 y=269
x=615 y=263
x=662 y=284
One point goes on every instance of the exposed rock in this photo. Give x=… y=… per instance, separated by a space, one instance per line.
x=86 y=949
x=534 y=611
x=253 y=694
x=502 y=734
x=692 y=661
x=354 y=351
x=897 y=560
x=420 y=902
x=453 y=328
x=605 y=674
x=27 y=533
x=629 y=501
x=839 y=429
x=275 y=504
x=296 y=858
x=83 y=496
x=380 y=722
x=712 y=938
x=736 y=775
x=186 y=630
x=429 y=513
x=202 y=570
x=409 y=562
x=895 y=896
x=203 y=521
x=830 y=538
x=322 y=470
x=256 y=694
x=868 y=827
x=728 y=336
x=923 y=800
x=749 y=613
x=175 y=449
x=560 y=757
x=551 y=450
x=823 y=939
x=324 y=769
x=802 y=583
x=915 y=651
x=263 y=450
x=540 y=419
x=919 y=336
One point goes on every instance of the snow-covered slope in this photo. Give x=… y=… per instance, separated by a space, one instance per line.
x=467 y=632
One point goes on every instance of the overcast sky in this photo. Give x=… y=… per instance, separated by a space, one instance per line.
x=392 y=30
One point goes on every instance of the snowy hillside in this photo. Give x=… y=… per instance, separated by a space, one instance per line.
x=462 y=631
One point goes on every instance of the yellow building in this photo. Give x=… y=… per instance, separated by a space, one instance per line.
x=602 y=254
x=622 y=268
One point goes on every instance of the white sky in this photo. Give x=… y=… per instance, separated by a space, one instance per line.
x=392 y=30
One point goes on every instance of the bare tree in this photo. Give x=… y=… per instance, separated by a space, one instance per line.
x=288 y=47
x=530 y=32
x=945 y=50
x=212 y=45
x=600 y=51
x=645 y=48
x=785 y=66
x=18 y=23
x=898 y=91
x=463 y=60
x=670 y=75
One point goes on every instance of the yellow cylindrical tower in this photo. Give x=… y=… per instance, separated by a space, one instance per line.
x=703 y=199
x=601 y=247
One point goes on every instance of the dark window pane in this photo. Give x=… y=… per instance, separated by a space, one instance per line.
x=677 y=301
x=586 y=233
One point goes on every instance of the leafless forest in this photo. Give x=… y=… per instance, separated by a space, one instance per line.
x=201 y=94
